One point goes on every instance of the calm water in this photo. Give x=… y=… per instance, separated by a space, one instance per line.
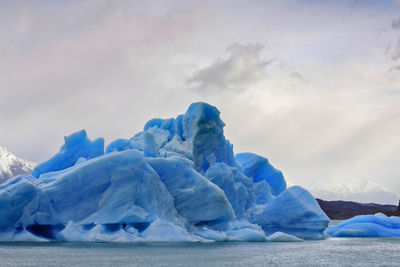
x=331 y=252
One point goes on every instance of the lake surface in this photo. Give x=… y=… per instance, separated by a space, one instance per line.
x=330 y=252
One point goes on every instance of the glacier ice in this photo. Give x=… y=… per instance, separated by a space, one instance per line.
x=294 y=212
x=76 y=146
x=192 y=192
x=243 y=231
x=283 y=237
x=176 y=181
x=378 y=225
x=259 y=169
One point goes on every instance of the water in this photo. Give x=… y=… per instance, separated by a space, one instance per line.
x=330 y=252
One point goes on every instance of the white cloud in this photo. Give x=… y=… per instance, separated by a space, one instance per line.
x=396 y=52
x=241 y=69
x=396 y=24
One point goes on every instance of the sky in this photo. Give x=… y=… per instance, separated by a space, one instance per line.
x=314 y=86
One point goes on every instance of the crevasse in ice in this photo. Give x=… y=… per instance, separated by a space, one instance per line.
x=176 y=181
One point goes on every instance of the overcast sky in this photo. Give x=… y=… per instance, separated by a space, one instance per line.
x=312 y=85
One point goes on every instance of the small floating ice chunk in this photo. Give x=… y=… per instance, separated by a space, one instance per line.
x=162 y=231
x=378 y=225
x=246 y=235
x=210 y=234
x=242 y=230
x=283 y=237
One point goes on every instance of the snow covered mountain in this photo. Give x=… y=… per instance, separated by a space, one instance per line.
x=354 y=189
x=11 y=165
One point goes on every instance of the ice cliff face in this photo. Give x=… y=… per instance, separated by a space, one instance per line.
x=177 y=181
x=11 y=165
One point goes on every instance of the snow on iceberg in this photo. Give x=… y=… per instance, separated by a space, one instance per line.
x=176 y=181
x=378 y=225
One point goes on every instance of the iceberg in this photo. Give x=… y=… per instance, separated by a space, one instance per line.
x=176 y=181
x=378 y=225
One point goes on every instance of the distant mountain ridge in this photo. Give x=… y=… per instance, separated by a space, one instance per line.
x=11 y=165
x=340 y=210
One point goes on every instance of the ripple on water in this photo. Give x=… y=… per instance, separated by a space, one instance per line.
x=331 y=252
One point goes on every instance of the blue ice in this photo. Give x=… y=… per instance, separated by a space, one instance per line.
x=176 y=181
x=378 y=225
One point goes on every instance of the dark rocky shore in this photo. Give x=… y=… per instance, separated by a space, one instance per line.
x=341 y=210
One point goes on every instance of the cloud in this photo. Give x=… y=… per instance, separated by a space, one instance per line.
x=396 y=24
x=241 y=69
x=108 y=67
x=82 y=66
x=395 y=56
x=396 y=52
x=354 y=189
